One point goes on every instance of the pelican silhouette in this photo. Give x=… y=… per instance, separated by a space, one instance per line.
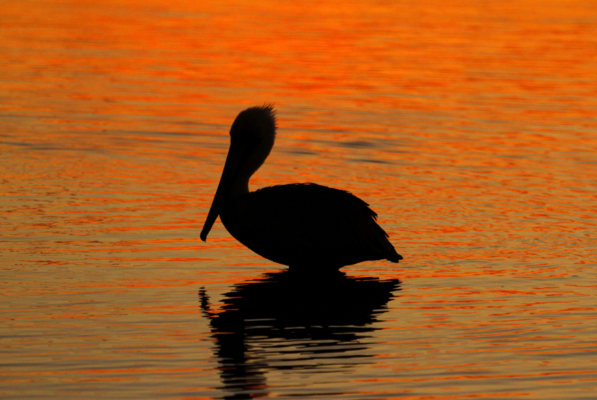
x=305 y=226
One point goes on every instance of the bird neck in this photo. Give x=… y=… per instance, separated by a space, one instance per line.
x=249 y=166
x=239 y=187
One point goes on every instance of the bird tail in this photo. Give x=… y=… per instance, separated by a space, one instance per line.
x=393 y=256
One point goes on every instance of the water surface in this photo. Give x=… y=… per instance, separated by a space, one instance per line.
x=468 y=127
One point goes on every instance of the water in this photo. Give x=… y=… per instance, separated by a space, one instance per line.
x=469 y=127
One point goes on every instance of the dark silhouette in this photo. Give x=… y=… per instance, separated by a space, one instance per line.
x=304 y=226
x=318 y=324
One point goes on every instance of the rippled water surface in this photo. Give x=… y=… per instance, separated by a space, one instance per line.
x=470 y=127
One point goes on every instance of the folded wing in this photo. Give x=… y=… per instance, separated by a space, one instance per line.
x=308 y=225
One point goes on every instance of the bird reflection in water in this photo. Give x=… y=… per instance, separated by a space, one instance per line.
x=288 y=321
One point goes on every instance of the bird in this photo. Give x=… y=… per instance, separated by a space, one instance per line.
x=305 y=226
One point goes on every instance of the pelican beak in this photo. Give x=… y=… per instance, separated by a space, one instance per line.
x=233 y=160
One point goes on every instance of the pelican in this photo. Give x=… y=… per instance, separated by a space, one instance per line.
x=303 y=225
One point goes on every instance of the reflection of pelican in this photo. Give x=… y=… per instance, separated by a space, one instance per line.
x=288 y=321
x=300 y=225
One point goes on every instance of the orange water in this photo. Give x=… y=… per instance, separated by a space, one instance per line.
x=470 y=127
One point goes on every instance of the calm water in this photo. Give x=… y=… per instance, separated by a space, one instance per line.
x=470 y=127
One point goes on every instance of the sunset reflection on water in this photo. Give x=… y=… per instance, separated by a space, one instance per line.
x=468 y=127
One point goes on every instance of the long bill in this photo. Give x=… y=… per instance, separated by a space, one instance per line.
x=233 y=161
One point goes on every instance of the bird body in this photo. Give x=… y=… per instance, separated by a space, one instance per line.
x=305 y=226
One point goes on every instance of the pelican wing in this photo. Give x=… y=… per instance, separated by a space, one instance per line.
x=308 y=225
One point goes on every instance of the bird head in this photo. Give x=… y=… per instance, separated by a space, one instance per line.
x=252 y=138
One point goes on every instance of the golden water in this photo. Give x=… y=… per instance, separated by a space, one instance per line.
x=470 y=127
